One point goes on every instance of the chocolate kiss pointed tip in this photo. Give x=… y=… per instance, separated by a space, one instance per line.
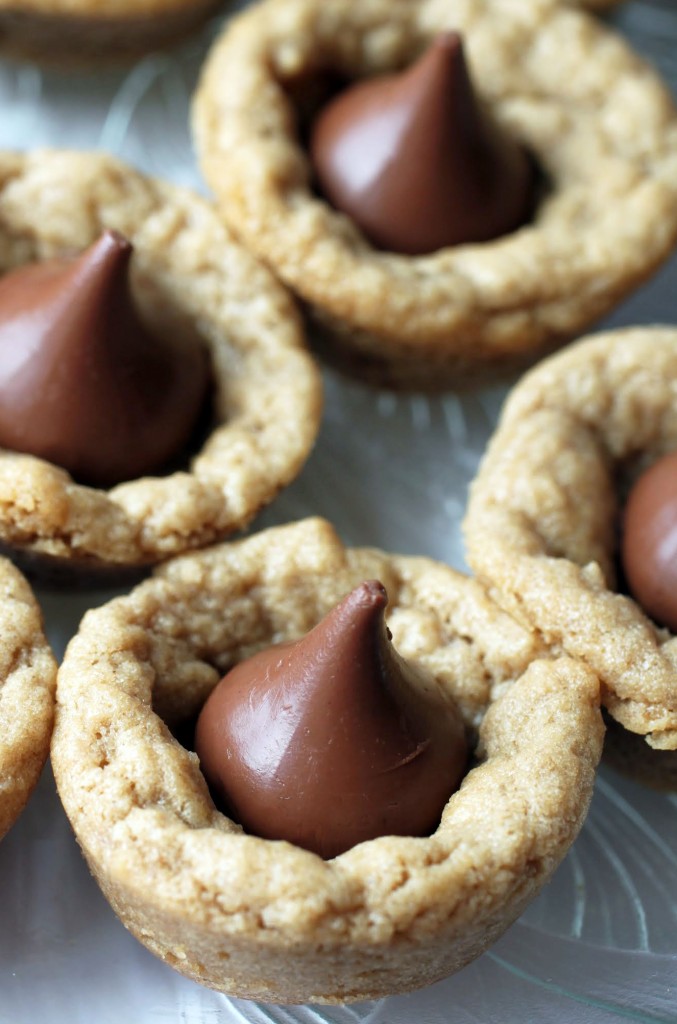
x=446 y=48
x=352 y=633
x=353 y=621
x=107 y=257
x=441 y=71
x=370 y=594
x=111 y=241
x=438 y=86
x=99 y=270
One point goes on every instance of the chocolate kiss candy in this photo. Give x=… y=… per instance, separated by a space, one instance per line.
x=649 y=546
x=417 y=162
x=323 y=742
x=82 y=383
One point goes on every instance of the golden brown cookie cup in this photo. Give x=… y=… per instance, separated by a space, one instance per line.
x=27 y=685
x=188 y=276
x=79 y=32
x=543 y=516
x=267 y=920
x=599 y=123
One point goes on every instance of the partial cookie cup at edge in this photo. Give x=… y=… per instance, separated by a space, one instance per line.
x=188 y=276
x=27 y=685
x=542 y=522
x=76 y=33
x=267 y=920
x=599 y=121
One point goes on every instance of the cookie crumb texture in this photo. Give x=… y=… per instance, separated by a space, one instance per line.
x=27 y=685
x=599 y=122
x=187 y=276
x=543 y=517
x=264 y=919
x=79 y=32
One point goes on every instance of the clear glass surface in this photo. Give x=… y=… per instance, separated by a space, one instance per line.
x=599 y=945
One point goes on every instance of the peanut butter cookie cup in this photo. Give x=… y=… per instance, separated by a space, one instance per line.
x=27 y=685
x=548 y=510
x=67 y=32
x=188 y=284
x=267 y=919
x=557 y=85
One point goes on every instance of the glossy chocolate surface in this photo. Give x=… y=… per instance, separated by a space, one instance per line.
x=324 y=742
x=418 y=162
x=649 y=545
x=83 y=384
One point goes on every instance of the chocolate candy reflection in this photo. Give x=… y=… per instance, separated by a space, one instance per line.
x=325 y=742
x=82 y=383
x=649 y=546
x=418 y=162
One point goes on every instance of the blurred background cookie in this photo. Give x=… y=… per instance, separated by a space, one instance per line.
x=329 y=134
x=76 y=32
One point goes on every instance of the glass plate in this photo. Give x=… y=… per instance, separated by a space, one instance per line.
x=600 y=943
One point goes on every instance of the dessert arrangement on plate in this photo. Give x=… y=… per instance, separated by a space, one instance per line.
x=303 y=770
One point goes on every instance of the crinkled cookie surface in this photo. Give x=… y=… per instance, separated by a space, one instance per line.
x=542 y=521
x=265 y=919
x=599 y=122
x=187 y=275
